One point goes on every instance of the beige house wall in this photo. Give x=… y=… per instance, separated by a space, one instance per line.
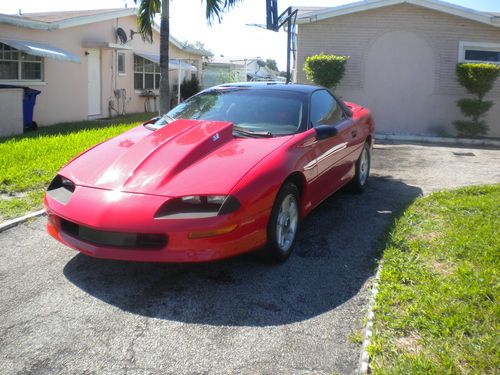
x=401 y=64
x=11 y=110
x=64 y=86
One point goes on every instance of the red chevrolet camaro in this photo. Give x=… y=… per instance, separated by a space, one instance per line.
x=233 y=168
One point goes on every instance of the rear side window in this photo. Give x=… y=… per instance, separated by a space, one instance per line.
x=324 y=109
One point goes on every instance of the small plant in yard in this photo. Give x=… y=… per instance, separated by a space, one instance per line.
x=190 y=87
x=356 y=337
x=477 y=79
x=325 y=70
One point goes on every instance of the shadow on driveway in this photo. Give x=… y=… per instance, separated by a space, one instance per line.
x=333 y=258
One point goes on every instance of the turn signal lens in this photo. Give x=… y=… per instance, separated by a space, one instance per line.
x=211 y=233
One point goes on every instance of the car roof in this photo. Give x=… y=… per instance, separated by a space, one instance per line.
x=297 y=87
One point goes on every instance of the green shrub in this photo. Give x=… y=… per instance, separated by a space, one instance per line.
x=325 y=70
x=474 y=108
x=471 y=128
x=477 y=79
x=190 y=87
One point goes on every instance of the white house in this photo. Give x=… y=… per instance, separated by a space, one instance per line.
x=88 y=64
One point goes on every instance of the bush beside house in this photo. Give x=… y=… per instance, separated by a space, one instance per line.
x=325 y=70
x=190 y=87
x=478 y=80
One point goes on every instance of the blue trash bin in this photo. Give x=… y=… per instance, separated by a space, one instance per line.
x=29 y=102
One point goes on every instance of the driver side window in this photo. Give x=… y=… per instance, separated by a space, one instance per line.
x=324 y=109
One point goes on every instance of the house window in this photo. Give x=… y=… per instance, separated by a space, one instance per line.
x=146 y=74
x=121 y=63
x=479 y=52
x=19 y=66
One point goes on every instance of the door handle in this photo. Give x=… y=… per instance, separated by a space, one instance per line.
x=354 y=133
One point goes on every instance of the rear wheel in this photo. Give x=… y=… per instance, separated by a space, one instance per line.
x=360 y=179
x=283 y=223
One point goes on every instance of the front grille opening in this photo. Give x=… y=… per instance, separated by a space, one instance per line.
x=114 y=239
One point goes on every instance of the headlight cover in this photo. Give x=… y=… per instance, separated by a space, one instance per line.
x=61 y=189
x=197 y=207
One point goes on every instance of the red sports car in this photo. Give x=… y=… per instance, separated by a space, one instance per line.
x=233 y=168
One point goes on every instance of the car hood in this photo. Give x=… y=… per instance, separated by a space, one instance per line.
x=182 y=158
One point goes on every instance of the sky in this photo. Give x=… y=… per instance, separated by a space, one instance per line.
x=231 y=38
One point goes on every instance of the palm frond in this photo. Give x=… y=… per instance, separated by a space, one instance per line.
x=145 y=17
x=215 y=8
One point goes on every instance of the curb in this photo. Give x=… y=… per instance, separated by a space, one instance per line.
x=442 y=140
x=14 y=222
x=364 y=360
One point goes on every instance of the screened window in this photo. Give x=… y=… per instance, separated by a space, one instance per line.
x=324 y=109
x=121 y=63
x=479 y=52
x=17 y=65
x=482 y=55
x=146 y=74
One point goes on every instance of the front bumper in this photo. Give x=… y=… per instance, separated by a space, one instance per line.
x=126 y=213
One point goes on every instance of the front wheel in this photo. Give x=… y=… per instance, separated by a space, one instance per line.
x=283 y=223
x=360 y=179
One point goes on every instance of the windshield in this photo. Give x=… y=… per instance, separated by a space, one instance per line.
x=273 y=112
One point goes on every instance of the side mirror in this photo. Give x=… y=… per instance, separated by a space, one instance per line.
x=326 y=131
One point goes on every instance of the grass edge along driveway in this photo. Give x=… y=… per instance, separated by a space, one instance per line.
x=437 y=308
x=30 y=161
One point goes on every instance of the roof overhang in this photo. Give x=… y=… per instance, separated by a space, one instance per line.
x=71 y=22
x=436 y=5
x=41 y=49
x=173 y=64
x=105 y=45
x=25 y=22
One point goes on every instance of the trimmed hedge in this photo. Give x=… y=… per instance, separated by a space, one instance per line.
x=478 y=79
x=325 y=70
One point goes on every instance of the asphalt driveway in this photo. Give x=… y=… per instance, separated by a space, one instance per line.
x=62 y=312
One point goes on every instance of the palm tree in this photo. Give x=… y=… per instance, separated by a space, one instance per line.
x=145 y=21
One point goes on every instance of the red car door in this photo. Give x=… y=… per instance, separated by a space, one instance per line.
x=331 y=160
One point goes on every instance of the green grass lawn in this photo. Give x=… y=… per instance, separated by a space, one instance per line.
x=30 y=161
x=437 y=310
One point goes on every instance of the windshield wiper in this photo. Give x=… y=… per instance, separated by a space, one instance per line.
x=168 y=119
x=252 y=133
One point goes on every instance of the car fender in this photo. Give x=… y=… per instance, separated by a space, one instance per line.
x=257 y=190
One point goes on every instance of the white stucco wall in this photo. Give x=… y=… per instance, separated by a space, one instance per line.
x=11 y=112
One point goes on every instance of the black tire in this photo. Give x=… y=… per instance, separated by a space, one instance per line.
x=360 y=181
x=276 y=252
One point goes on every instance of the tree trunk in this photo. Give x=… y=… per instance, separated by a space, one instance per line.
x=164 y=41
